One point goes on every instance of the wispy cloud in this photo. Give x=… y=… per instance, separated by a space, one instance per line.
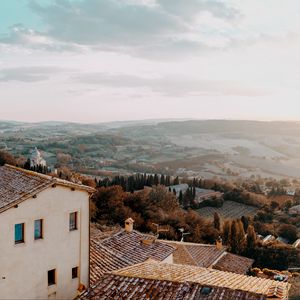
x=172 y=86
x=28 y=74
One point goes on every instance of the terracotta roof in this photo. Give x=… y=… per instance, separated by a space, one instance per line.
x=152 y=269
x=117 y=287
x=203 y=255
x=233 y=263
x=123 y=249
x=130 y=246
x=17 y=185
x=103 y=260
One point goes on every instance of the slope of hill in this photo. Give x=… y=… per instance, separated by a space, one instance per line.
x=190 y=148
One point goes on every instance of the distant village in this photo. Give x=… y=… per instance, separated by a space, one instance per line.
x=50 y=249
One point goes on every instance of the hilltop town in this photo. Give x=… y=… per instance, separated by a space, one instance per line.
x=144 y=236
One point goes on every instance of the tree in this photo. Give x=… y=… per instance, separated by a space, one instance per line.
x=288 y=205
x=288 y=231
x=226 y=232
x=245 y=222
x=274 y=205
x=176 y=181
x=251 y=241
x=180 y=198
x=6 y=158
x=241 y=238
x=237 y=237
x=217 y=222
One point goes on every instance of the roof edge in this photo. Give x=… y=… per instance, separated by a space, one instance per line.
x=55 y=180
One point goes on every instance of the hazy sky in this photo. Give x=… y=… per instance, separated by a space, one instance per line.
x=106 y=60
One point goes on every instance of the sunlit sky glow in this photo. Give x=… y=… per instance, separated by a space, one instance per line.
x=108 y=60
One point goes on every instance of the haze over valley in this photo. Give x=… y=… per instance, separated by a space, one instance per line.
x=227 y=149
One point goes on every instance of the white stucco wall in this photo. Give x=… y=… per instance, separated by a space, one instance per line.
x=24 y=267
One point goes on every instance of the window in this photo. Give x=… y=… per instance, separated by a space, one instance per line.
x=73 y=221
x=51 y=277
x=19 y=233
x=75 y=272
x=38 y=229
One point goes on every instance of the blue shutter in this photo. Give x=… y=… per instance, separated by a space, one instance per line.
x=37 y=229
x=18 y=232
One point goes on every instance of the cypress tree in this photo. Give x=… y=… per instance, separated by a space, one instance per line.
x=226 y=232
x=251 y=240
x=217 y=222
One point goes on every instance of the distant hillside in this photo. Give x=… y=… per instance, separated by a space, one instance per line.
x=187 y=148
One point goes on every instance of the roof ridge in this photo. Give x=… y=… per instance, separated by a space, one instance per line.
x=190 y=255
x=52 y=178
x=219 y=258
x=187 y=243
x=29 y=172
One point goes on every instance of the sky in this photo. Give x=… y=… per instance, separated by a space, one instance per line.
x=95 y=61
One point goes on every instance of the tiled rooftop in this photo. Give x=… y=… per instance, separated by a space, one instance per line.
x=103 y=260
x=155 y=270
x=17 y=184
x=129 y=245
x=123 y=249
x=233 y=263
x=203 y=255
x=115 y=287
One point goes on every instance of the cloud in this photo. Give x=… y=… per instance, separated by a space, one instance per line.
x=150 y=28
x=28 y=74
x=173 y=86
x=20 y=35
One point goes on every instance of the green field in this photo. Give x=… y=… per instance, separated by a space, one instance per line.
x=230 y=209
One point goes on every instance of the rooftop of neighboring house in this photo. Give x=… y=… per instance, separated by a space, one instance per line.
x=124 y=248
x=155 y=270
x=17 y=185
x=158 y=280
x=203 y=255
x=113 y=286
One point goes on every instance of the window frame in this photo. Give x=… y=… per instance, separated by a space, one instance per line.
x=20 y=241
x=53 y=282
x=73 y=227
x=41 y=236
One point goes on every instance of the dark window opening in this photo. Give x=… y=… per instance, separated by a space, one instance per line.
x=51 y=277
x=73 y=221
x=75 y=272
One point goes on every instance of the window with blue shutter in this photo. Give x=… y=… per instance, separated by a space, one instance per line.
x=19 y=233
x=38 y=229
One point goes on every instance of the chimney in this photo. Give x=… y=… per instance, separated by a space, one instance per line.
x=219 y=245
x=129 y=225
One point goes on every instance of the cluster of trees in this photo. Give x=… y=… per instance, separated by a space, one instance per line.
x=137 y=181
x=112 y=205
x=235 y=237
x=240 y=237
x=39 y=168
x=7 y=158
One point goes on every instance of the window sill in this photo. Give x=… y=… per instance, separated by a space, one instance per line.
x=19 y=244
x=75 y=229
x=38 y=239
